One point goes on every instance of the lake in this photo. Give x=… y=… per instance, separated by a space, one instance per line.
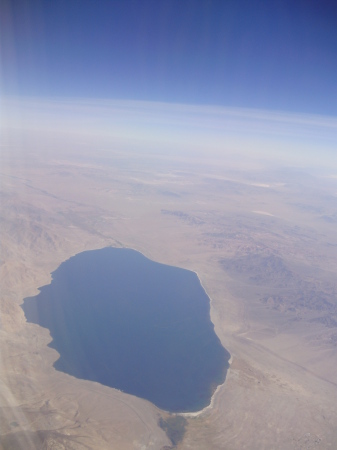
x=130 y=323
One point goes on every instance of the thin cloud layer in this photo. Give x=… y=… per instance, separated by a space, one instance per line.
x=308 y=139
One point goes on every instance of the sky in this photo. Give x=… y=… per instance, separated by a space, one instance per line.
x=276 y=55
x=240 y=79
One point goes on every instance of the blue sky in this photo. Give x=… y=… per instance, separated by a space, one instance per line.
x=268 y=54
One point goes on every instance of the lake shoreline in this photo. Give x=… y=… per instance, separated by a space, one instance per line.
x=178 y=325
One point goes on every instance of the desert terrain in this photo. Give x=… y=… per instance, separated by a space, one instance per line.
x=263 y=241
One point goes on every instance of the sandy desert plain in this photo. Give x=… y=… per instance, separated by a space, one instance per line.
x=264 y=244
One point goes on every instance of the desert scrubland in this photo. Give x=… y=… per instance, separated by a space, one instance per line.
x=263 y=241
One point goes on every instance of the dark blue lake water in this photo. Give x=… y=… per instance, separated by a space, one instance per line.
x=130 y=323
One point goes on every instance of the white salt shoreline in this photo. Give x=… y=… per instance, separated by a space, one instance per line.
x=210 y=406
